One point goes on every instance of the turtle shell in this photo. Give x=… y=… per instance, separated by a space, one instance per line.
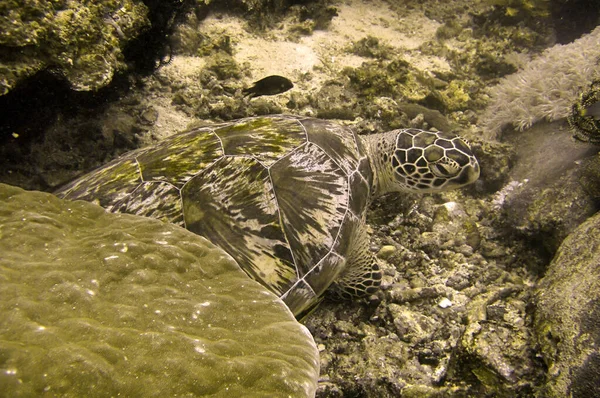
x=283 y=195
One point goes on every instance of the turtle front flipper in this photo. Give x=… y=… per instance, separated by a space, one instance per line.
x=362 y=275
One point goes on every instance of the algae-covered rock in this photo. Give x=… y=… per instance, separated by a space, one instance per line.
x=396 y=79
x=567 y=320
x=112 y=304
x=335 y=101
x=370 y=47
x=81 y=40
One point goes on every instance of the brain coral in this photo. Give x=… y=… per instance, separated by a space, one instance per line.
x=99 y=304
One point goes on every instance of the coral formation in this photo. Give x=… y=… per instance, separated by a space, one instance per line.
x=546 y=88
x=79 y=40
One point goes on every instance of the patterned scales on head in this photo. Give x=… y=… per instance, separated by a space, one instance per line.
x=285 y=196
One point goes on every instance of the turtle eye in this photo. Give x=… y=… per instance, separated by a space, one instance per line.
x=445 y=168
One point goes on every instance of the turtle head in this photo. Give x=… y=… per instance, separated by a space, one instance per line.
x=425 y=161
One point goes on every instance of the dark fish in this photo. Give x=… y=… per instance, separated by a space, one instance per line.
x=270 y=85
x=592 y=110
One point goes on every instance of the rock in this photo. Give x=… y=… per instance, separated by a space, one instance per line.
x=109 y=304
x=551 y=198
x=589 y=177
x=386 y=251
x=567 y=319
x=444 y=303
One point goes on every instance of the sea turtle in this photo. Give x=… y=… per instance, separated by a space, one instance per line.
x=285 y=196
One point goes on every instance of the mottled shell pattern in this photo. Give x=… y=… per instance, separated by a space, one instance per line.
x=283 y=195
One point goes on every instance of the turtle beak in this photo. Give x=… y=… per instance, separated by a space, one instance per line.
x=468 y=175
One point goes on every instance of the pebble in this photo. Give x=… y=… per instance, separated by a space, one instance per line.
x=386 y=251
x=445 y=303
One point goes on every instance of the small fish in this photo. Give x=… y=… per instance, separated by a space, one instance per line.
x=270 y=85
x=592 y=110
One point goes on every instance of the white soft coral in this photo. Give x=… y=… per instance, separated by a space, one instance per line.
x=546 y=88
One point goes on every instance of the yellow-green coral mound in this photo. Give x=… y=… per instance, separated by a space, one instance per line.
x=82 y=40
x=99 y=304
